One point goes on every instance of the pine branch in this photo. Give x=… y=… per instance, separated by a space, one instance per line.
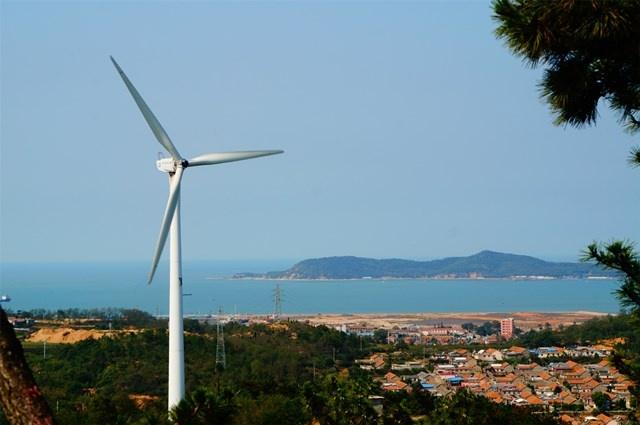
x=634 y=158
x=620 y=256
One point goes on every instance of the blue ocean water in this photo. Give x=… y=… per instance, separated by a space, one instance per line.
x=91 y=285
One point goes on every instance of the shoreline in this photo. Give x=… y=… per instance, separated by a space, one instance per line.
x=367 y=279
x=525 y=320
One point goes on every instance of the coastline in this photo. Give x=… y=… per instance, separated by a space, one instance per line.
x=525 y=320
x=369 y=279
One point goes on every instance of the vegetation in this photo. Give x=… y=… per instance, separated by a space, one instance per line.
x=622 y=257
x=589 y=332
x=116 y=318
x=282 y=373
x=487 y=328
x=589 y=49
x=464 y=408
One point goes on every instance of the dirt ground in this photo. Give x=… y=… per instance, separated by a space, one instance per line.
x=66 y=335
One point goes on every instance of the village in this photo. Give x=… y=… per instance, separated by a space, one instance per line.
x=543 y=378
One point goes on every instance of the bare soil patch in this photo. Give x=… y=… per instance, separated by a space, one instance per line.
x=66 y=335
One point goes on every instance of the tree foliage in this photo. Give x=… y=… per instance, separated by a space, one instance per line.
x=591 y=331
x=465 y=408
x=590 y=50
x=620 y=256
x=338 y=400
x=204 y=407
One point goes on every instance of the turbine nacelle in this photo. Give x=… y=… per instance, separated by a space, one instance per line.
x=167 y=165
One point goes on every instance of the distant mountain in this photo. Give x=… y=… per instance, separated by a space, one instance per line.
x=486 y=264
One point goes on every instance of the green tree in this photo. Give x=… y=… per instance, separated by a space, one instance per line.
x=204 y=407
x=591 y=52
x=396 y=410
x=465 y=408
x=108 y=408
x=469 y=326
x=621 y=256
x=602 y=401
x=272 y=409
x=589 y=48
x=340 y=400
x=380 y=336
x=488 y=328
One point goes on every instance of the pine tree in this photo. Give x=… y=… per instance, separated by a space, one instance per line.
x=21 y=399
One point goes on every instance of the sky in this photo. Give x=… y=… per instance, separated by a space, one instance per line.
x=410 y=131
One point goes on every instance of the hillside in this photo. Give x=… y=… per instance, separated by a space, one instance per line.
x=487 y=264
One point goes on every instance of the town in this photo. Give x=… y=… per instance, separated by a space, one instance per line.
x=544 y=378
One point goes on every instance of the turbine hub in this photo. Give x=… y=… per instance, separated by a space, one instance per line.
x=167 y=165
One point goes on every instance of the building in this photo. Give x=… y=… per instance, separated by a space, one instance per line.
x=506 y=327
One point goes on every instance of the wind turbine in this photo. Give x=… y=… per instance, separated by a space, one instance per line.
x=174 y=167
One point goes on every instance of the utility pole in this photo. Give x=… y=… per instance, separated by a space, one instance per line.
x=277 y=301
x=221 y=359
x=44 y=350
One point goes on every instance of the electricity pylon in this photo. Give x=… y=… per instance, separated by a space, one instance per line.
x=221 y=358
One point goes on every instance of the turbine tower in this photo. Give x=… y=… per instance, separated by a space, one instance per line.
x=174 y=167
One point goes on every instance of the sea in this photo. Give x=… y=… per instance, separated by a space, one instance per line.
x=207 y=286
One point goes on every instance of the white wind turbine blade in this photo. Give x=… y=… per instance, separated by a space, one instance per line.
x=221 y=157
x=172 y=202
x=151 y=119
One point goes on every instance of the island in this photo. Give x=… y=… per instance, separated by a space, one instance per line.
x=485 y=264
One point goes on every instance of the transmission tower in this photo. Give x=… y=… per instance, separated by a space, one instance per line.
x=221 y=359
x=277 y=301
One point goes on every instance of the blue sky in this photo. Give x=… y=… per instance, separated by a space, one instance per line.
x=409 y=131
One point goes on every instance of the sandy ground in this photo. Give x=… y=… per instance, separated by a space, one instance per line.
x=65 y=335
x=523 y=320
x=141 y=400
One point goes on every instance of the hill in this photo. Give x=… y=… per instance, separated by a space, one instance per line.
x=487 y=264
